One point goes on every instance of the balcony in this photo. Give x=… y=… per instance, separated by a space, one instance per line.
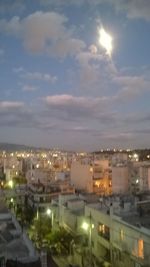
x=104 y=242
x=97 y=175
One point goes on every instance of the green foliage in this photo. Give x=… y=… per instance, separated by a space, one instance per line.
x=42 y=235
x=40 y=230
x=60 y=239
x=25 y=213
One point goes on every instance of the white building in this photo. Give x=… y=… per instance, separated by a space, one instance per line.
x=117 y=235
x=82 y=176
x=15 y=245
x=94 y=177
x=120 y=179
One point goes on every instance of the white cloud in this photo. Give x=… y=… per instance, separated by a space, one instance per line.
x=98 y=73
x=95 y=69
x=18 y=70
x=133 y=8
x=68 y=46
x=131 y=86
x=29 y=88
x=9 y=105
x=44 y=32
x=93 y=49
x=38 y=76
x=71 y=107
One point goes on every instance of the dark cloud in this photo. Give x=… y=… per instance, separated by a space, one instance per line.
x=72 y=107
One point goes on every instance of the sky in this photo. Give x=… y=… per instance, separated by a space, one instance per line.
x=59 y=88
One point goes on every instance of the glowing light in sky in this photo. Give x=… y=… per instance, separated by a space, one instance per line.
x=105 y=41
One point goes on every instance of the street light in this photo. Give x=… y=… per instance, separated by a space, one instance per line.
x=12 y=200
x=88 y=227
x=49 y=212
x=10 y=184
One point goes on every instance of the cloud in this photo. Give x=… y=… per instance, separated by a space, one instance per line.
x=16 y=114
x=43 y=33
x=18 y=70
x=38 y=76
x=137 y=118
x=29 y=88
x=98 y=73
x=84 y=119
x=10 y=7
x=133 y=8
x=68 y=107
x=89 y=64
x=93 y=49
x=131 y=86
x=59 y=3
x=6 y=106
x=69 y=46
x=95 y=70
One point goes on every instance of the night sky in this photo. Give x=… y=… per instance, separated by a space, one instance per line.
x=58 y=85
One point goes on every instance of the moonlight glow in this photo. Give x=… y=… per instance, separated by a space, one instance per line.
x=105 y=41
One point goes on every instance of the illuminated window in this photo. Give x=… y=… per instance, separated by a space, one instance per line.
x=103 y=230
x=97 y=184
x=121 y=235
x=140 y=248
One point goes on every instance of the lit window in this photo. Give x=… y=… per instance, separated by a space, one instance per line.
x=121 y=235
x=140 y=248
x=103 y=230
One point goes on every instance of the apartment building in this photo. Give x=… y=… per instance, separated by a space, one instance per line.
x=120 y=179
x=15 y=247
x=40 y=196
x=92 y=177
x=119 y=235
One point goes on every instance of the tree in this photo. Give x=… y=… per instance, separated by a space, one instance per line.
x=40 y=229
x=61 y=240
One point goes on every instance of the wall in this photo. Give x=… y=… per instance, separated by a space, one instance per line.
x=120 y=182
x=81 y=176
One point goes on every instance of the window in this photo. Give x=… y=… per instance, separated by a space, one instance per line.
x=140 y=248
x=121 y=235
x=103 y=230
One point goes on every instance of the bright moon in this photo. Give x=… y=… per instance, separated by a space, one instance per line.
x=105 y=41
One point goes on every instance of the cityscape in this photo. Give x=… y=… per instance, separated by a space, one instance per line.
x=74 y=133
x=74 y=209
